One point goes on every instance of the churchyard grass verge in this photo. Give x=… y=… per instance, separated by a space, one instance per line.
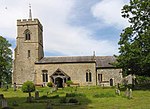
x=84 y=98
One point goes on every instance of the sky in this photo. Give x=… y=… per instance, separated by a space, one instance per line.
x=70 y=27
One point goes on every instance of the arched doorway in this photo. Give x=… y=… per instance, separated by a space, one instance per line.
x=111 y=82
x=59 y=82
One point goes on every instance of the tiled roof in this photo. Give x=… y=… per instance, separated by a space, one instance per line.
x=105 y=61
x=67 y=59
x=101 y=61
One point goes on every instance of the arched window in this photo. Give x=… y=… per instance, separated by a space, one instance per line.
x=27 y=34
x=45 y=75
x=88 y=76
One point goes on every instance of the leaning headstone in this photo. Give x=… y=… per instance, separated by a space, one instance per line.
x=127 y=93
x=4 y=103
x=130 y=94
x=36 y=95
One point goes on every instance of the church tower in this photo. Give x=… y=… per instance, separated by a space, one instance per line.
x=29 y=49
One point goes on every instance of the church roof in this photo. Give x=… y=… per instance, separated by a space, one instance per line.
x=66 y=59
x=105 y=61
x=101 y=61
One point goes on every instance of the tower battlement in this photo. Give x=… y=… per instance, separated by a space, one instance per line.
x=24 y=22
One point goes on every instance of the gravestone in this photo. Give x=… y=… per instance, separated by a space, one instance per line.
x=117 y=91
x=51 y=91
x=130 y=94
x=127 y=93
x=15 y=87
x=36 y=95
x=4 y=103
x=1 y=97
x=55 y=88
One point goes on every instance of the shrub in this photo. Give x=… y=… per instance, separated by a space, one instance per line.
x=44 y=97
x=103 y=95
x=122 y=87
x=69 y=82
x=75 y=94
x=142 y=82
x=73 y=100
x=55 y=96
x=63 y=100
x=49 y=84
x=14 y=103
x=70 y=94
x=28 y=87
x=7 y=108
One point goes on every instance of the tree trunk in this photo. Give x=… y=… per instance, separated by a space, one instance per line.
x=29 y=99
x=29 y=94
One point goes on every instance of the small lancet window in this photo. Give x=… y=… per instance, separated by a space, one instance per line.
x=27 y=34
x=45 y=75
x=88 y=76
x=29 y=53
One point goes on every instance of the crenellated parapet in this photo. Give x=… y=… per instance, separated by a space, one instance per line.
x=28 y=22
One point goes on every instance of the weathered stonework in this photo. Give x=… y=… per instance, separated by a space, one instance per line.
x=77 y=72
x=108 y=74
x=30 y=63
x=24 y=64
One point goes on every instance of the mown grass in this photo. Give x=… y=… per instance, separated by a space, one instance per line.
x=89 y=98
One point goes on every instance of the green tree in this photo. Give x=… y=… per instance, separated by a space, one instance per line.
x=5 y=60
x=134 y=41
x=28 y=87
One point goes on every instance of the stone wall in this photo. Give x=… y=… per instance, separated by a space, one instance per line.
x=24 y=63
x=110 y=73
x=77 y=72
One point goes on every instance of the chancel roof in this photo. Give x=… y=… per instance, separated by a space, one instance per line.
x=105 y=61
x=101 y=61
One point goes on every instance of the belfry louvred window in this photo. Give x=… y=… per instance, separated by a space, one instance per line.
x=27 y=34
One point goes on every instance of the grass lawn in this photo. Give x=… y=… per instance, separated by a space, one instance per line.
x=89 y=98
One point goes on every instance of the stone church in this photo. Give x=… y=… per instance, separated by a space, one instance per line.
x=30 y=63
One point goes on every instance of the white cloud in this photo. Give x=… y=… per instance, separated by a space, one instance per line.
x=59 y=35
x=77 y=41
x=109 y=12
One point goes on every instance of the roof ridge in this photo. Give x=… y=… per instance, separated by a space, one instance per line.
x=66 y=56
